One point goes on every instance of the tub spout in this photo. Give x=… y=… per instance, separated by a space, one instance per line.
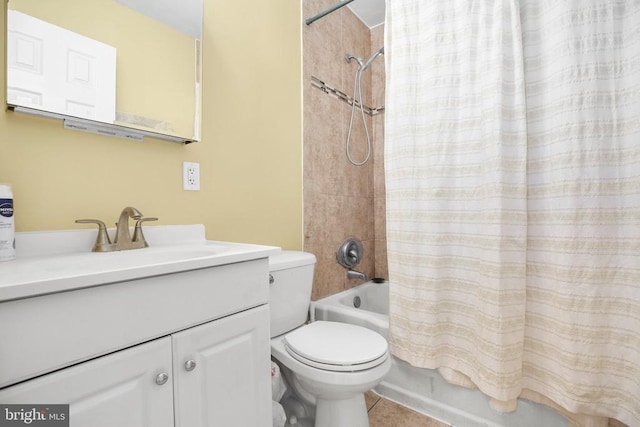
x=352 y=274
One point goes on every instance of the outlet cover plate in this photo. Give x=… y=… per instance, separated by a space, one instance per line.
x=191 y=176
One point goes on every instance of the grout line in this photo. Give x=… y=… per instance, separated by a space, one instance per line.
x=374 y=405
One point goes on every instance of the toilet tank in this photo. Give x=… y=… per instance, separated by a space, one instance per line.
x=290 y=291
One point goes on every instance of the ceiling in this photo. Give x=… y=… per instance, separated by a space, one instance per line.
x=371 y=12
x=185 y=15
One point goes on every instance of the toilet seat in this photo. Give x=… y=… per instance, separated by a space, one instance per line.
x=335 y=346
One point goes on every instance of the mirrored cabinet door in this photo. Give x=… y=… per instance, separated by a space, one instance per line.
x=133 y=65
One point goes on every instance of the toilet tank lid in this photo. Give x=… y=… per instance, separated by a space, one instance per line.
x=290 y=259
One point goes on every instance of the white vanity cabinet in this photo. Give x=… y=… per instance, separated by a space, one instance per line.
x=215 y=374
x=119 y=389
x=218 y=380
x=172 y=343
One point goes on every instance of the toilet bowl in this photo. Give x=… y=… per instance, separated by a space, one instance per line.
x=333 y=364
x=335 y=375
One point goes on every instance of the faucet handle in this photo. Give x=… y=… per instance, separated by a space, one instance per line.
x=102 y=239
x=137 y=233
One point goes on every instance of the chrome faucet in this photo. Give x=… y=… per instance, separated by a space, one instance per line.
x=122 y=240
x=352 y=274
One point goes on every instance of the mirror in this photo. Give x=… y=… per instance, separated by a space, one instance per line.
x=127 y=67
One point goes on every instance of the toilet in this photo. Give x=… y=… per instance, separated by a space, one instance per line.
x=329 y=365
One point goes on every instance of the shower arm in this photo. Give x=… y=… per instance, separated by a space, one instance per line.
x=328 y=11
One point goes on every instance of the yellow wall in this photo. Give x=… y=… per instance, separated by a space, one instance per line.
x=250 y=153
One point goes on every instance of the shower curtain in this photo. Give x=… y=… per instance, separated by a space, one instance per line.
x=512 y=161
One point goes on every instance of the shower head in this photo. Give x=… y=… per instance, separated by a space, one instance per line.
x=348 y=57
x=372 y=58
x=361 y=64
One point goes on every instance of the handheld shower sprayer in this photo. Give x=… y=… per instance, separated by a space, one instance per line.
x=357 y=99
x=372 y=58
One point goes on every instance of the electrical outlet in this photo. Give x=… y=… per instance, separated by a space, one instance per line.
x=191 y=176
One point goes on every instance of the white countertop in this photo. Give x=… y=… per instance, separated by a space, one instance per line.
x=57 y=261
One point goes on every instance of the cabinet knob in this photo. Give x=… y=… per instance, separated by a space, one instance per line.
x=190 y=365
x=162 y=378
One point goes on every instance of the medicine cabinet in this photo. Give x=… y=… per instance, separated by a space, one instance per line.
x=128 y=68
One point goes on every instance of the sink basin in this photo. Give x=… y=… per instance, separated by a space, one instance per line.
x=47 y=273
x=79 y=263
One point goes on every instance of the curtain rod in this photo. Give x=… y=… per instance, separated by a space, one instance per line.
x=328 y=11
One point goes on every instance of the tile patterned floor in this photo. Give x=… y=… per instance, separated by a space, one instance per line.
x=385 y=413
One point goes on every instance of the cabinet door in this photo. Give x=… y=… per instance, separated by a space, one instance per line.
x=119 y=389
x=222 y=371
x=53 y=69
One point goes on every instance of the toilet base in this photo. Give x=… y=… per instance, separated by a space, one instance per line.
x=338 y=397
x=350 y=412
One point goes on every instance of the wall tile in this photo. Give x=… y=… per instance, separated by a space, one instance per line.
x=339 y=198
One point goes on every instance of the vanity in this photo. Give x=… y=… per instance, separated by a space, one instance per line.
x=176 y=334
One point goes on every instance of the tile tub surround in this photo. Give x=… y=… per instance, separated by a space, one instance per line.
x=341 y=200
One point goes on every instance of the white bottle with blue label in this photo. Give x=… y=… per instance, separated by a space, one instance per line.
x=7 y=224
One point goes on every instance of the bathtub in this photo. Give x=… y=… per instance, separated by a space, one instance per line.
x=424 y=390
x=365 y=305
